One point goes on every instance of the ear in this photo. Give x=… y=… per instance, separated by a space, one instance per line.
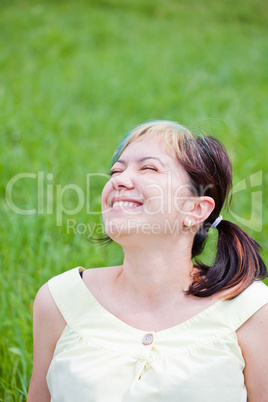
x=200 y=209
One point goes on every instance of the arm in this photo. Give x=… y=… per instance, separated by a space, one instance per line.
x=252 y=337
x=48 y=325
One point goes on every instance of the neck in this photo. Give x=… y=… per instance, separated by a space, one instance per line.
x=155 y=273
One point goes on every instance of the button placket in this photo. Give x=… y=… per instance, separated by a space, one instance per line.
x=147 y=342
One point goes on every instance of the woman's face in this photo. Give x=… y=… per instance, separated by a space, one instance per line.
x=147 y=192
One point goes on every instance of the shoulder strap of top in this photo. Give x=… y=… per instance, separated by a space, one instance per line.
x=70 y=295
x=237 y=311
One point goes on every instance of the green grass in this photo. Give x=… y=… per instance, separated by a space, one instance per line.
x=74 y=78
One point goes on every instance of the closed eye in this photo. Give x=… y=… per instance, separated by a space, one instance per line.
x=118 y=171
x=149 y=168
x=114 y=172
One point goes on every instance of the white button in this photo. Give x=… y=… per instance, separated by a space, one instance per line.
x=148 y=339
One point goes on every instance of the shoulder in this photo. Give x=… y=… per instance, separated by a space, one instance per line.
x=46 y=315
x=256 y=324
x=256 y=297
x=44 y=302
x=252 y=337
x=48 y=325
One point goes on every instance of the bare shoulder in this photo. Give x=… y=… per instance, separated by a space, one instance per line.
x=46 y=316
x=44 y=302
x=256 y=325
x=252 y=338
x=48 y=324
x=46 y=305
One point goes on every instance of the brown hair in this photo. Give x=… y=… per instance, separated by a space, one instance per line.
x=238 y=262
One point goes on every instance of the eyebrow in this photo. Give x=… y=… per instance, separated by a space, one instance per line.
x=141 y=160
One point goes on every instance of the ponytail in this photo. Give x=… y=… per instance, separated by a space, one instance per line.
x=237 y=264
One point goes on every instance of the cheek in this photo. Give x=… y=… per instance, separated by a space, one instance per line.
x=181 y=200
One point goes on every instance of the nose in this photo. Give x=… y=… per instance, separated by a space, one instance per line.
x=123 y=180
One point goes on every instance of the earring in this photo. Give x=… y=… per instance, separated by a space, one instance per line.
x=188 y=225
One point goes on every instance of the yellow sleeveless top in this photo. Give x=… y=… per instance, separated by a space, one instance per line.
x=99 y=358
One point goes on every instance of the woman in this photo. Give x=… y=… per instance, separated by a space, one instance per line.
x=159 y=328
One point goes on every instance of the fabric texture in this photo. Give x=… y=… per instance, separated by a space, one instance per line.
x=99 y=358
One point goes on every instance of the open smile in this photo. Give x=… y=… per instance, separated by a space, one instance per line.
x=125 y=202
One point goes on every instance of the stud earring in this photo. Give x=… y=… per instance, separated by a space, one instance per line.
x=188 y=225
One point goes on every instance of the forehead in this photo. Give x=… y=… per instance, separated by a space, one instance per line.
x=147 y=145
x=153 y=146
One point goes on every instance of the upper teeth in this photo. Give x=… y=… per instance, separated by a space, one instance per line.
x=124 y=204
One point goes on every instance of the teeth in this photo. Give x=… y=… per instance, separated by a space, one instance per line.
x=124 y=204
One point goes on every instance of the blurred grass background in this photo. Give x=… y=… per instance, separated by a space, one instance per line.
x=74 y=78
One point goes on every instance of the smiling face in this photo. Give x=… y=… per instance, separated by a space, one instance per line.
x=147 y=191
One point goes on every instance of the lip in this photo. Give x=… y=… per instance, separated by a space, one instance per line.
x=126 y=199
